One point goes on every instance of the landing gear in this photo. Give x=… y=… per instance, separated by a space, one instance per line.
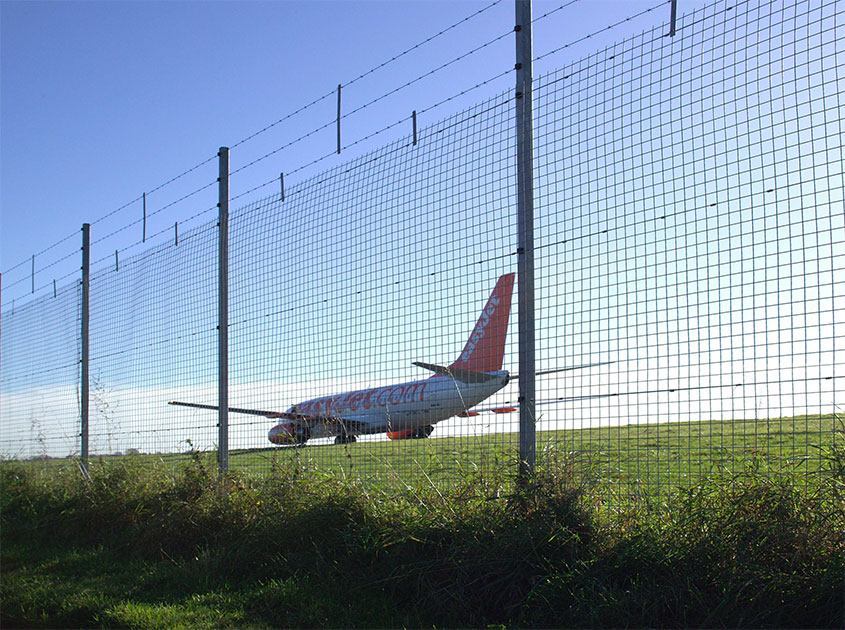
x=345 y=438
x=422 y=432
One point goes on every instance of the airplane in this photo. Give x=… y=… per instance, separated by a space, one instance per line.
x=408 y=410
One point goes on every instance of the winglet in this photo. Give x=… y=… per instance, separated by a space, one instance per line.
x=485 y=348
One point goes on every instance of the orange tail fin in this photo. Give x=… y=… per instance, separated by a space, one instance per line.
x=485 y=348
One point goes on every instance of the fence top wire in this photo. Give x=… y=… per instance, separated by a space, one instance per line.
x=393 y=91
x=376 y=100
x=369 y=72
x=597 y=32
x=390 y=126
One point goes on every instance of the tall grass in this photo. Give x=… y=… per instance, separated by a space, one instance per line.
x=136 y=547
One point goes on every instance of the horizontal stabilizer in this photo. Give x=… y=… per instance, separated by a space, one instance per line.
x=466 y=376
x=566 y=369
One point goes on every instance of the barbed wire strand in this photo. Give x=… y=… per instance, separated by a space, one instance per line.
x=151 y=214
x=401 y=121
x=601 y=30
x=373 y=102
x=365 y=74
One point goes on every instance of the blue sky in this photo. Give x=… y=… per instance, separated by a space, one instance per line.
x=103 y=101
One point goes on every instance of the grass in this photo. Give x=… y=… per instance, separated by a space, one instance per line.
x=153 y=546
x=622 y=462
x=625 y=461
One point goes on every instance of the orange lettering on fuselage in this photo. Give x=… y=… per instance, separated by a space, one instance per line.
x=365 y=398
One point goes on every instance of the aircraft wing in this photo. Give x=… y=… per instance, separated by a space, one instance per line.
x=305 y=419
x=554 y=401
x=508 y=408
x=284 y=415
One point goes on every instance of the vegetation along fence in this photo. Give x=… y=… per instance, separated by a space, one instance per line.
x=678 y=308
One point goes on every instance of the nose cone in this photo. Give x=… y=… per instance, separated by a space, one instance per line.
x=281 y=434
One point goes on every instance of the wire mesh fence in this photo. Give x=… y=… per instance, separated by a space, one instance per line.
x=40 y=375
x=363 y=270
x=153 y=335
x=690 y=232
x=690 y=222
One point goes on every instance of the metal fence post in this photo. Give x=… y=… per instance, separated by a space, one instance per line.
x=86 y=277
x=525 y=237
x=673 y=18
x=223 y=314
x=338 y=119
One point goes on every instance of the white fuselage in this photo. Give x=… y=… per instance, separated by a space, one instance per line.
x=399 y=407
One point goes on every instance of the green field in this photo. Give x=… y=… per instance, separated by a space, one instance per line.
x=620 y=463
x=637 y=460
